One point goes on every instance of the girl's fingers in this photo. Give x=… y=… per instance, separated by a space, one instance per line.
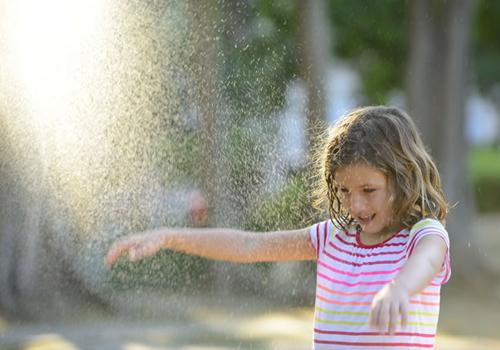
x=404 y=315
x=114 y=253
x=383 y=319
x=393 y=319
x=139 y=252
x=143 y=250
x=137 y=248
x=377 y=317
x=117 y=249
x=373 y=317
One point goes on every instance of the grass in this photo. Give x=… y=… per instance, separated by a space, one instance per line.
x=484 y=162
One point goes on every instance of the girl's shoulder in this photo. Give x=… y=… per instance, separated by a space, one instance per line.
x=327 y=229
x=428 y=226
x=427 y=223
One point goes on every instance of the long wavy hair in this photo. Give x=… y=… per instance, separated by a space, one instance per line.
x=387 y=139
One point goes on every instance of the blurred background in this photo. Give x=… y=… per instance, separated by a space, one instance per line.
x=122 y=116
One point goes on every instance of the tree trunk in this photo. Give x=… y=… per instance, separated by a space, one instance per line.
x=313 y=46
x=437 y=81
x=205 y=43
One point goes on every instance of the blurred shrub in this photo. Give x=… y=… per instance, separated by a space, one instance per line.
x=167 y=270
x=289 y=208
x=484 y=164
x=487 y=192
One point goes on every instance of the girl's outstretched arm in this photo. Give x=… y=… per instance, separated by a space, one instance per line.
x=219 y=244
x=391 y=304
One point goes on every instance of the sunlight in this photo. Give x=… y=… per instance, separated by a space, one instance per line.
x=49 y=342
x=272 y=324
x=47 y=54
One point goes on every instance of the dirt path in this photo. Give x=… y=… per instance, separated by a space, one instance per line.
x=288 y=330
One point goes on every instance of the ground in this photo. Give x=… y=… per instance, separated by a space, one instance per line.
x=468 y=321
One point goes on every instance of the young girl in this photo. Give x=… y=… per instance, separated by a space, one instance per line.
x=382 y=256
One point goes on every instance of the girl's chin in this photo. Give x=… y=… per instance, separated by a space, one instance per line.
x=371 y=229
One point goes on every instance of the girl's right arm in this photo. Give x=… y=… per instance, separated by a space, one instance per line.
x=219 y=244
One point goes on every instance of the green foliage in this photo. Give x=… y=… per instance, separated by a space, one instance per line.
x=486 y=191
x=373 y=35
x=259 y=55
x=167 y=270
x=485 y=43
x=289 y=208
x=484 y=164
x=184 y=154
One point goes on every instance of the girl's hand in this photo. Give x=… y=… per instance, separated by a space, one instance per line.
x=389 y=305
x=137 y=246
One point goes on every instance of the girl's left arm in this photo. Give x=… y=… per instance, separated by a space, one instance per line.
x=390 y=304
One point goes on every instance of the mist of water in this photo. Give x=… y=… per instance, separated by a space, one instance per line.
x=99 y=101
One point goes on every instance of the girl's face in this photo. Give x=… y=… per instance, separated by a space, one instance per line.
x=365 y=193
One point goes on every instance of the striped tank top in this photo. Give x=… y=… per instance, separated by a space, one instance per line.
x=350 y=273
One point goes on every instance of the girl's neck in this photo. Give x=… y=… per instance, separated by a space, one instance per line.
x=382 y=236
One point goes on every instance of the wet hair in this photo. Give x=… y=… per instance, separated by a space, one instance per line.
x=387 y=139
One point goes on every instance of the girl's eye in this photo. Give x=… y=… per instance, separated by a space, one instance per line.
x=369 y=190
x=344 y=190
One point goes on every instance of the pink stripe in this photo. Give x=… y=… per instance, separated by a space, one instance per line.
x=365 y=255
x=412 y=242
x=352 y=284
x=419 y=235
x=320 y=286
x=402 y=235
x=332 y=291
x=356 y=245
x=358 y=274
x=407 y=334
x=325 y=233
x=447 y=269
x=338 y=302
x=366 y=262
x=373 y=344
x=317 y=240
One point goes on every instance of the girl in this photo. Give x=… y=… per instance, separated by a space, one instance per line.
x=382 y=256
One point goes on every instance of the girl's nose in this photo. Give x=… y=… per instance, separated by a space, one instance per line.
x=357 y=204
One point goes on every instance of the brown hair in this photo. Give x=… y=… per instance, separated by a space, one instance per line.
x=387 y=139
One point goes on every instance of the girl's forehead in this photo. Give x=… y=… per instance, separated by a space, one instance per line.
x=359 y=175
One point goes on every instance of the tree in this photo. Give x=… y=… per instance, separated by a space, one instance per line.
x=373 y=37
x=437 y=82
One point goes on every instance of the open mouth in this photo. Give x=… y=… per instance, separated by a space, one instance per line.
x=365 y=220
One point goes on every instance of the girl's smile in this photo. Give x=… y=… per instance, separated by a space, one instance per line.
x=366 y=195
